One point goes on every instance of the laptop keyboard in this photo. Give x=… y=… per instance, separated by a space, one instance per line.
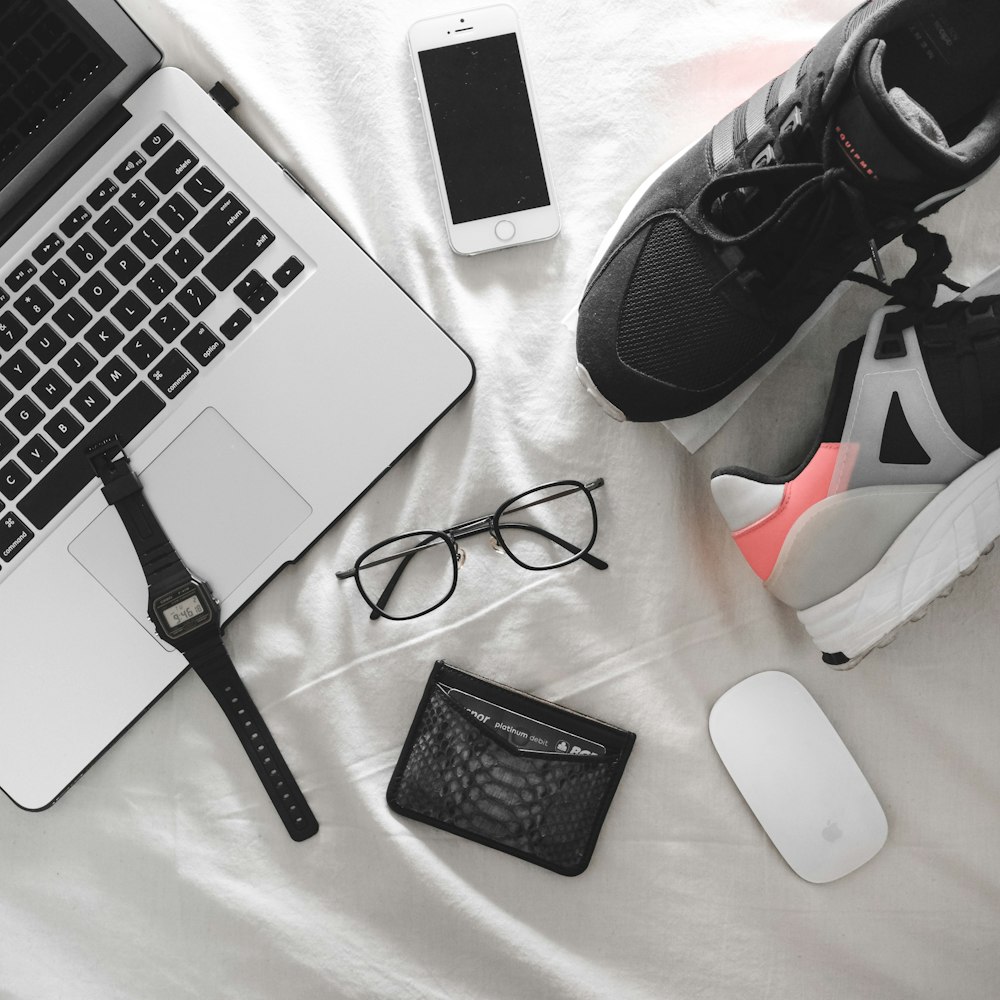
x=101 y=325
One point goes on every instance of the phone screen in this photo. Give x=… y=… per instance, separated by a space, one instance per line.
x=484 y=129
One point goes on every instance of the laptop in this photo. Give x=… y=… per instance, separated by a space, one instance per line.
x=163 y=278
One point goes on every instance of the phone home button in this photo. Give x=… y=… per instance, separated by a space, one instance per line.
x=505 y=230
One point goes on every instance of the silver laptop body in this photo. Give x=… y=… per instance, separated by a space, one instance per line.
x=264 y=370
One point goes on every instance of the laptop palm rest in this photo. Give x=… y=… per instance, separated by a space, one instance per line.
x=222 y=505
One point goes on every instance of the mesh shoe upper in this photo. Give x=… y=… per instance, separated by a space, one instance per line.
x=739 y=241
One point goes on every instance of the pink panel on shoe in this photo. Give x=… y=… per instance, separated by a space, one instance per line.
x=761 y=541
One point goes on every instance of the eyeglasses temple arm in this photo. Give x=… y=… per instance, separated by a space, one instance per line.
x=556 y=496
x=587 y=557
x=391 y=585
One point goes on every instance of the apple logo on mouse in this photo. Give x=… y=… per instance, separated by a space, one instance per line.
x=832 y=832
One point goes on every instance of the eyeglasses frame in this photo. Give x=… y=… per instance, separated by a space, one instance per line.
x=487 y=523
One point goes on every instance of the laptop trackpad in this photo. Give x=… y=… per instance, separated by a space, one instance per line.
x=221 y=504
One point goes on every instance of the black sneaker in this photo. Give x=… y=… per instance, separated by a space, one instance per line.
x=900 y=496
x=729 y=250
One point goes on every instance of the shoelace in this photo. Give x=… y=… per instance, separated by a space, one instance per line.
x=832 y=192
x=918 y=288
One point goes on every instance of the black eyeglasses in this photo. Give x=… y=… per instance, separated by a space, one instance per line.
x=543 y=528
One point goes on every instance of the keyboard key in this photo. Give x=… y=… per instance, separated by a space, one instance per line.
x=63 y=427
x=48 y=248
x=11 y=330
x=45 y=343
x=21 y=275
x=75 y=221
x=177 y=161
x=8 y=441
x=151 y=239
x=156 y=284
x=64 y=480
x=86 y=252
x=288 y=272
x=142 y=348
x=182 y=258
x=226 y=216
x=124 y=265
x=99 y=291
x=138 y=200
x=130 y=311
x=169 y=322
x=235 y=325
x=77 y=363
x=172 y=374
x=14 y=535
x=238 y=254
x=129 y=167
x=36 y=454
x=116 y=376
x=104 y=336
x=13 y=479
x=177 y=212
x=102 y=194
x=33 y=305
x=112 y=227
x=255 y=291
x=24 y=415
x=90 y=401
x=4 y=297
x=50 y=390
x=195 y=297
x=72 y=317
x=60 y=278
x=19 y=370
x=156 y=141
x=203 y=186
x=202 y=344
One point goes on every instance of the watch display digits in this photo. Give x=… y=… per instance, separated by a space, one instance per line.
x=186 y=616
x=183 y=610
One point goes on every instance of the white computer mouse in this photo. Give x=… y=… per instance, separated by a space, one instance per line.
x=797 y=776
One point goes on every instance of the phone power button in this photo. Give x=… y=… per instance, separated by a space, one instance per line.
x=505 y=230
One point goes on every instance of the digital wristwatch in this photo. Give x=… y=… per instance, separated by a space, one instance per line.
x=186 y=616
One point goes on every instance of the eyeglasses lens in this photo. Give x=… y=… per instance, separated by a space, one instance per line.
x=549 y=526
x=409 y=575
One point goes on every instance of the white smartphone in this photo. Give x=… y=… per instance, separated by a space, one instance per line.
x=481 y=124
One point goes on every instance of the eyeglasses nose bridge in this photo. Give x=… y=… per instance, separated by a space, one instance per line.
x=495 y=542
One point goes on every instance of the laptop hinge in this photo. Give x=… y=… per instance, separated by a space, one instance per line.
x=61 y=172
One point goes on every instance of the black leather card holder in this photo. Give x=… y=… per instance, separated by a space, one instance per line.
x=460 y=775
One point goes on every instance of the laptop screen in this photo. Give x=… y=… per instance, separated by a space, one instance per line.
x=66 y=67
x=52 y=65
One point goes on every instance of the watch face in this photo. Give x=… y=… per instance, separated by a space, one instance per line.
x=183 y=610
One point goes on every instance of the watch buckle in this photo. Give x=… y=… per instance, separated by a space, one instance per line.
x=111 y=465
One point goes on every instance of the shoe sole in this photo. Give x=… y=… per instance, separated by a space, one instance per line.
x=943 y=542
x=697 y=429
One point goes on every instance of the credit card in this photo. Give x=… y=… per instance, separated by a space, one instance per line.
x=523 y=734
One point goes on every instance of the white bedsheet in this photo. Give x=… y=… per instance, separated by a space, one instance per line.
x=163 y=873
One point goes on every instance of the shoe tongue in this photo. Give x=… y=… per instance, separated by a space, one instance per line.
x=883 y=132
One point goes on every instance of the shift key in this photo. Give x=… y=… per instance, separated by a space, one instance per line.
x=225 y=216
x=238 y=254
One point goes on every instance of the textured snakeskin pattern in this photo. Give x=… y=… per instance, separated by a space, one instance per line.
x=458 y=775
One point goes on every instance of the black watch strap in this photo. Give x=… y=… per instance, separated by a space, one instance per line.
x=163 y=567
x=212 y=664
